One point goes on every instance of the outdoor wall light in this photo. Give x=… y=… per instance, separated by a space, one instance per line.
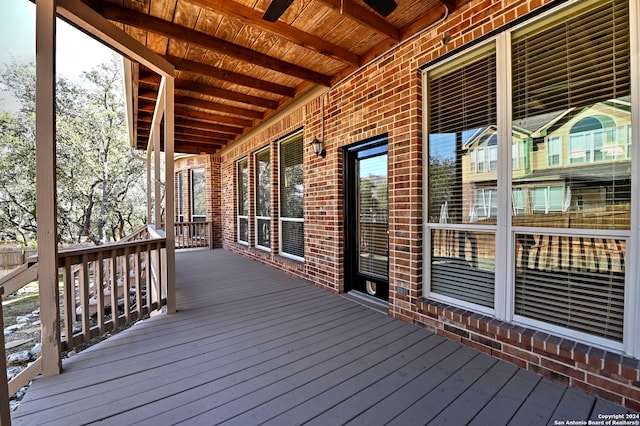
x=318 y=147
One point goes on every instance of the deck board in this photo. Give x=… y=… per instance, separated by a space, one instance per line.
x=251 y=345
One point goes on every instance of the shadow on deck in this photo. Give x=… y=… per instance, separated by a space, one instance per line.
x=250 y=345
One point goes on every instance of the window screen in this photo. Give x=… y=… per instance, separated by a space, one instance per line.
x=292 y=196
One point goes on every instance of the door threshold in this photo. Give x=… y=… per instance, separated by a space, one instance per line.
x=368 y=301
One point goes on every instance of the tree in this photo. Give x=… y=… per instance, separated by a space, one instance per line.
x=100 y=187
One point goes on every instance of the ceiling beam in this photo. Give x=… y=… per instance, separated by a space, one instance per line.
x=192 y=86
x=195 y=148
x=214 y=118
x=186 y=111
x=159 y=26
x=249 y=16
x=201 y=125
x=364 y=17
x=432 y=16
x=216 y=106
x=200 y=133
x=184 y=137
x=215 y=126
x=230 y=76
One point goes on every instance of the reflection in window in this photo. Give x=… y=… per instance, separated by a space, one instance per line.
x=198 y=196
x=263 y=199
x=292 y=197
x=243 y=200
x=463 y=164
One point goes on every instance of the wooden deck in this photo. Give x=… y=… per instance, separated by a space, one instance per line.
x=250 y=345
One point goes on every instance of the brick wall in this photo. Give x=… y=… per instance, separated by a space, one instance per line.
x=385 y=97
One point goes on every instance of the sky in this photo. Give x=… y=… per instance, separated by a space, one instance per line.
x=76 y=52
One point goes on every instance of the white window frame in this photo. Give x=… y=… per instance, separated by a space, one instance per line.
x=255 y=198
x=197 y=217
x=554 y=143
x=239 y=216
x=281 y=218
x=505 y=234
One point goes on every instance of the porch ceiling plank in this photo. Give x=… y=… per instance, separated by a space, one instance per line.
x=149 y=95
x=364 y=17
x=216 y=106
x=192 y=86
x=253 y=18
x=194 y=124
x=232 y=122
x=230 y=76
x=160 y=26
x=432 y=16
x=188 y=111
x=182 y=130
x=87 y=19
x=232 y=130
x=213 y=142
x=193 y=148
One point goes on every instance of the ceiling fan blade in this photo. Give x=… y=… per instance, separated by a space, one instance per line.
x=276 y=9
x=383 y=7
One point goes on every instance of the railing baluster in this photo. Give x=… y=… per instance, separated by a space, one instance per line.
x=114 y=289
x=126 y=285
x=148 y=278
x=5 y=416
x=98 y=270
x=68 y=303
x=84 y=299
x=137 y=283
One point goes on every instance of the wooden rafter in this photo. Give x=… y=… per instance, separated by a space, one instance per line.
x=251 y=17
x=185 y=111
x=216 y=106
x=202 y=125
x=230 y=76
x=364 y=17
x=178 y=32
x=182 y=84
x=196 y=148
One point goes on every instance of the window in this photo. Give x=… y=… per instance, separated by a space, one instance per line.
x=462 y=112
x=486 y=204
x=242 y=176
x=263 y=198
x=180 y=198
x=198 y=196
x=569 y=230
x=554 y=148
x=292 y=197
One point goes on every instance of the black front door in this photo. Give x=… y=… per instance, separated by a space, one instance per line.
x=367 y=218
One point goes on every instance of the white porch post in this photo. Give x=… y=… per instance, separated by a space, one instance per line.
x=149 y=187
x=46 y=185
x=169 y=192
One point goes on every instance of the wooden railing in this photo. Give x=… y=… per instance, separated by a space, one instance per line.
x=193 y=234
x=103 y=288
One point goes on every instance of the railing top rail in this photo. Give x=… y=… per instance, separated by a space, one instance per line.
x=109 y=247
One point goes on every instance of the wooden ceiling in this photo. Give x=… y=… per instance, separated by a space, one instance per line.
x=235 y=69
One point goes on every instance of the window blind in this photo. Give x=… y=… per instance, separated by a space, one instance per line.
x=373 y=214
x=572 y=282
x=574 y=59
x=292 y=196
x=463 y=265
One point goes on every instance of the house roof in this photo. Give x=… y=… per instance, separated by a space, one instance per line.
x=235 y=69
